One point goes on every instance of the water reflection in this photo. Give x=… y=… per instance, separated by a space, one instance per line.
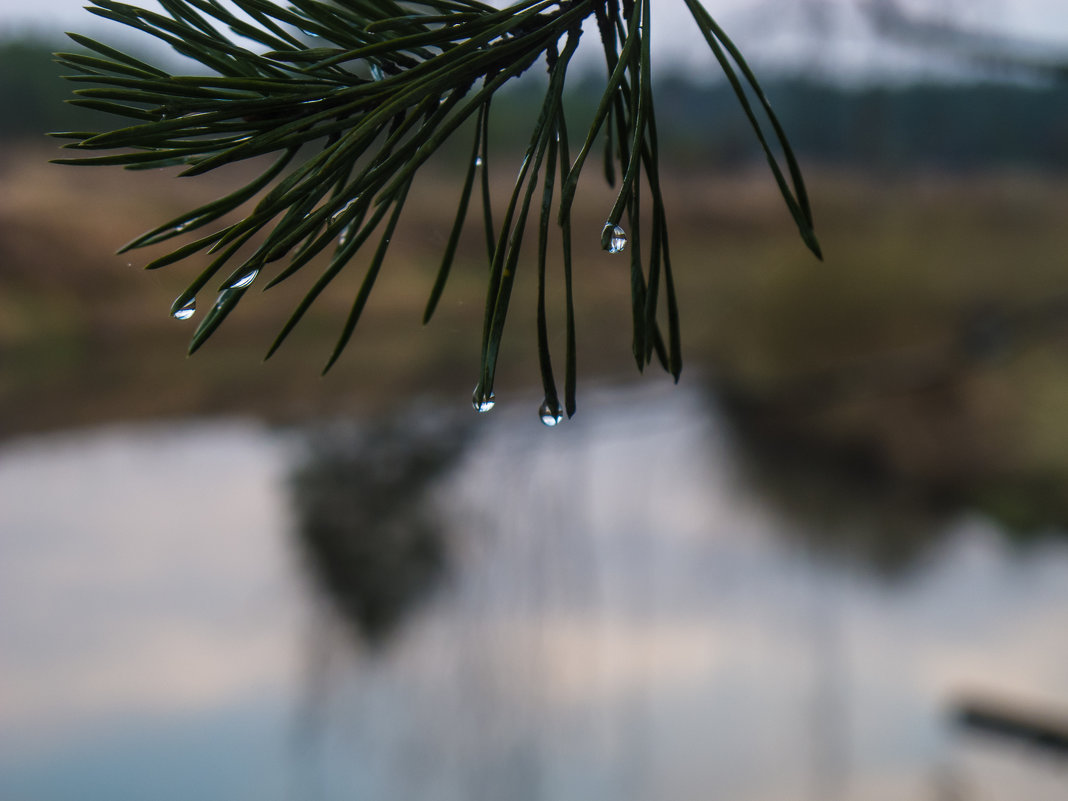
x=844 y=508
x=628 y=615
x=369 y=536
x=847 y=507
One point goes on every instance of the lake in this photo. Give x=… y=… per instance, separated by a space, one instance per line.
x=460 y=607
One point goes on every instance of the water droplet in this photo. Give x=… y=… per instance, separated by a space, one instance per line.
x=481 y=401
x=550 y=414
x=309 y=33
x=376 y=73
x=244 y=280
x=186 y=311
x=343 y=209
x=617 y=242
x=343 y=237
x=478 y=161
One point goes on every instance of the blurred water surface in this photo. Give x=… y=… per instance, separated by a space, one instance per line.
x=438 y=608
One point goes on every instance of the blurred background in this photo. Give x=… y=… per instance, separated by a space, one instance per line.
x=831 y=564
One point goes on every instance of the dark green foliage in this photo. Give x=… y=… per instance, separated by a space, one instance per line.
x=354 y=97
x=947 y=126
x=32 y=91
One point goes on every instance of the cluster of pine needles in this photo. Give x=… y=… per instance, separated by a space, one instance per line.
x=351 y=98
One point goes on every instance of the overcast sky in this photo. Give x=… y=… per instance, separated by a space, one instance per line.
x=827 y=35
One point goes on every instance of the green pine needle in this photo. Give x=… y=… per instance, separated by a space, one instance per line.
x=353 y=97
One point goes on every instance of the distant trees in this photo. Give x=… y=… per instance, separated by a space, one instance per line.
x=32 y=94
x=950 y=126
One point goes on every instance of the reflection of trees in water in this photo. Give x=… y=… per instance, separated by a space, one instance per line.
x=840 y=502
x=372 y=543
x=848 y=503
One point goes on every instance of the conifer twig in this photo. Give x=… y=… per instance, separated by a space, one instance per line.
x=352 y=98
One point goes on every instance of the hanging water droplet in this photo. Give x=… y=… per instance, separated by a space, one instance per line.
x=186 y=311
x=343 y=209
x=617 y=241
x=482 y=401
x=478 y=161
x=376 y=73
x=245 y=280
x=550 y=414
x=343 y=237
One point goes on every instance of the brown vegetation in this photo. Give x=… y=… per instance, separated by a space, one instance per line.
x=932 y=341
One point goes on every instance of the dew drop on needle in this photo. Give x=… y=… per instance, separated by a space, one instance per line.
x=483 y=401
x=550 y=414
x=185 y=311
x=617 y=239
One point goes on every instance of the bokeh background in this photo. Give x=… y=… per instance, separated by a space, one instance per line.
x=831 y=563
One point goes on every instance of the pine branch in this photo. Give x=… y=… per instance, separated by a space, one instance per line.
x=352 y=98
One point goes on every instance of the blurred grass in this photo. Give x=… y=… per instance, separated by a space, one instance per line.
x=931 y=343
